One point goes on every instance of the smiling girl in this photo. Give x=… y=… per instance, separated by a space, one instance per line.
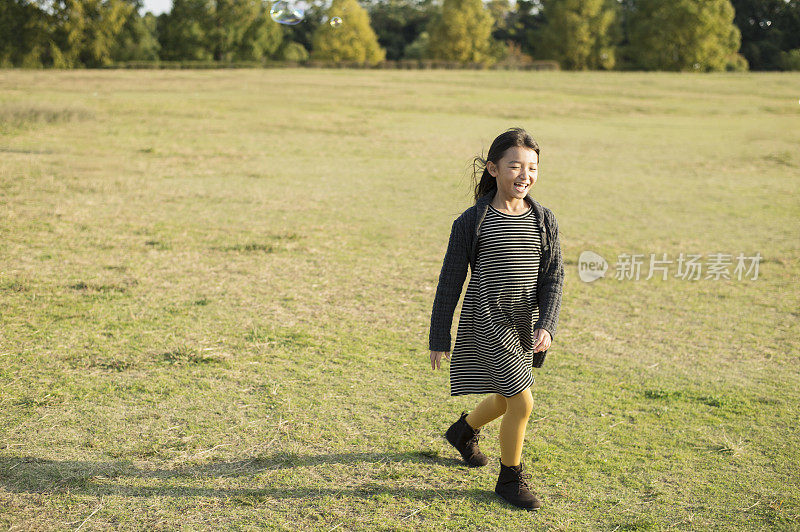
x=510 y=311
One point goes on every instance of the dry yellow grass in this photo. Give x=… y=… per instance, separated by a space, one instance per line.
x=215 y=289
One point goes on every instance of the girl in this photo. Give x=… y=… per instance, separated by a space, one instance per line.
x=510 y=311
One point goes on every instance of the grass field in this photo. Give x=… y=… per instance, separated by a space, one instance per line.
x=215 y=289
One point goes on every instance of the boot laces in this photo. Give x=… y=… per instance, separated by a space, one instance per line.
x=523 y=480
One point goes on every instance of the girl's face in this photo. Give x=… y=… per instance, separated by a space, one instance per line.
x=516 y=171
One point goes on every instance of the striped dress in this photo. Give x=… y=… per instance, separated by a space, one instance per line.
x=493 y=351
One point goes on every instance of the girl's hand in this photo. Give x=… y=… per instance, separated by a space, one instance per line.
x=436 y=358
x=541 y=340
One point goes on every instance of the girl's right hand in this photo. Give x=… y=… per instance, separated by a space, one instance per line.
x=436 y=358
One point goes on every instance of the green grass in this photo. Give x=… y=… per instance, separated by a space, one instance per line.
x=215 y=289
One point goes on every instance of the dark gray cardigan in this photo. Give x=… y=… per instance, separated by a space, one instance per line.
x=461 y=251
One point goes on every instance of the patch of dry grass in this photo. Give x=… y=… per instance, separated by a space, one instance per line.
x=21 y=115
x=215 y=289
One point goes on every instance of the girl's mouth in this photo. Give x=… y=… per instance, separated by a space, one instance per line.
x=520 y=187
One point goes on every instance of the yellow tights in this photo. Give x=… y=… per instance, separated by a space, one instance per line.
x=515 y=411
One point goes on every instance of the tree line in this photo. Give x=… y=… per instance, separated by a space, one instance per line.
x=674 y=35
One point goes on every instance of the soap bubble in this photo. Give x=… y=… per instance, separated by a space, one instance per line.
x=335 y=22
x=285 y=12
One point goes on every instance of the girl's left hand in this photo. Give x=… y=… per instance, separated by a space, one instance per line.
x=541 y=340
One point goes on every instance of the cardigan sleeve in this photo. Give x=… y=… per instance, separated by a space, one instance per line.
x=451 y=281
x=551 y=288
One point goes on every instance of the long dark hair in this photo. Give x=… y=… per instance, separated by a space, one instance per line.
x=512 y=138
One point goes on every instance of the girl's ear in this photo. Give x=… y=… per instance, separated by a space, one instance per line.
x=492 y=168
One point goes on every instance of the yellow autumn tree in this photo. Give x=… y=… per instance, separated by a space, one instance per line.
x=684 y=35
x=462 y=33
x=352 y=40
x=580 y=34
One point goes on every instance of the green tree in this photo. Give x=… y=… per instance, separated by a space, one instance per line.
x=138 y=40
x=292 y=51
x=790 y=60
x=25 y=34
x=220 y=30
x=418 y=49
x=462 y=33
x=770 y=31
x=521 y=27
x=61 y=33
x=242 y=30
x=182 y=32
x=500 y=11
x=580 y=34
x=86 y=31
x=303 y=33
x=397 y=23
x=352 y=40
x=683 y=35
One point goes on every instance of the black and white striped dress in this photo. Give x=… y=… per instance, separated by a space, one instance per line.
x=493 y=352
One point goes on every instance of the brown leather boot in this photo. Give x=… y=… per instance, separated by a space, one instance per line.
x=512 y=486
x=465 y=440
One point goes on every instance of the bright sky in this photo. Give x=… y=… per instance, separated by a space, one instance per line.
x=157 y=6
x=162 y=6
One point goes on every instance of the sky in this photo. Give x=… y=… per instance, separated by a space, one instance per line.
x=157 y=6
x=162 y=6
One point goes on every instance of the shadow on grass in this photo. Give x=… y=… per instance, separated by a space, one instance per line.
x=12 y=150
x=27 y=474
x=289 y=460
